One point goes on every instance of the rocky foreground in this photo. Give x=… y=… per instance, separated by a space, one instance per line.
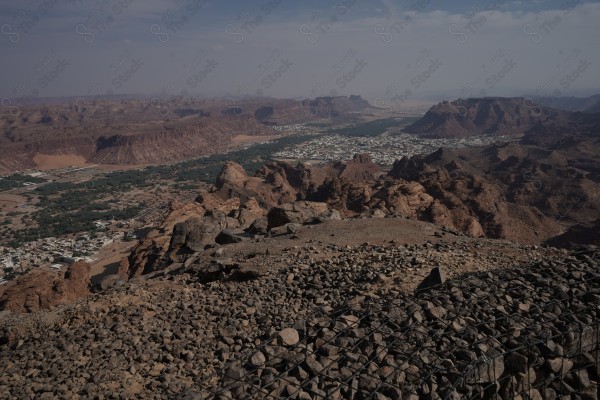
x=323 y=320
x=528 y=333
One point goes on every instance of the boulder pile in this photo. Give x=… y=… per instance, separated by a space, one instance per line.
x=322 y=328
x=531 y=333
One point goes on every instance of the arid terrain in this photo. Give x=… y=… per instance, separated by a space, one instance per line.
x=141 y=132
x=345 y=279
x=189 y=322
x=299 y=200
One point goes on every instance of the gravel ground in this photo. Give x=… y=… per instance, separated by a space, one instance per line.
x=316 y=320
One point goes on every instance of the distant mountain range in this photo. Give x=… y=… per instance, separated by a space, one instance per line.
x=125 y=131
x=489 y=115
x=497 y=116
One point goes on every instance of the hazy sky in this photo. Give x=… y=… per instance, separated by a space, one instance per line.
x=381 y=49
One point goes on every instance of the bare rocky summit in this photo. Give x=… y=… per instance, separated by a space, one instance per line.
x=321 y=316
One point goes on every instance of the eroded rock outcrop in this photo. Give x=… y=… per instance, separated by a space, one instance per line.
x=525 y=192
x=359 y=169
x=149 y=254
x=42 y=289
x=233 y=182
x=480 y=204
x=196 y=233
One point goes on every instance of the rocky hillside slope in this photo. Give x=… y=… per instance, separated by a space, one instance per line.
x=594 y=108
x=320 y=282
x=577 y=235
x=528 y=193
x=323 y=317
x=494 y=335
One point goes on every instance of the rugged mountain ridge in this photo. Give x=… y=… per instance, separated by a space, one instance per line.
x=490 y=115
x=306 y=281
x=504 y=191
x=132 y=131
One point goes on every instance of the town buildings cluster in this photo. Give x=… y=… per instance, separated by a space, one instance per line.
x=383 y=149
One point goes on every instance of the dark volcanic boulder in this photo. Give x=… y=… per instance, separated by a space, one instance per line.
x=111 y=281
x=227 y=236
x=434 y=279
x=259 y=227
x=299 y=213
x=196 y=233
